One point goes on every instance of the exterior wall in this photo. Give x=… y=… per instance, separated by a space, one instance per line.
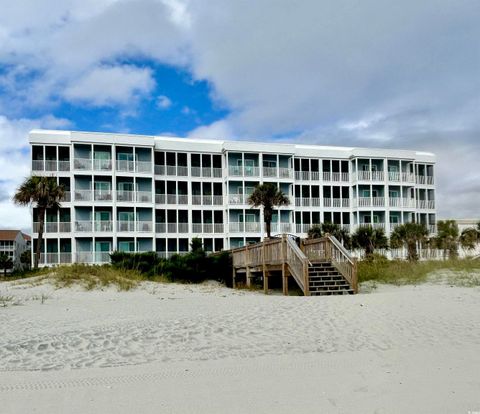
x=140 y=193
x=14 y=248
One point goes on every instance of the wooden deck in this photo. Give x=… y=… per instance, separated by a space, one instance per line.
x=283 y=255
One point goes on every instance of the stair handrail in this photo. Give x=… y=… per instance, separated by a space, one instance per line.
x=343 y=261
x=298 y=265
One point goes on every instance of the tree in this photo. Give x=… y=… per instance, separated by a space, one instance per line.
x=469 y=238
x=5 y=263
x=369 y=239
x=319 y=230
x=26 y=259
x=447 y=237
x=409 y=235
x=46 y=194
x=268 y=196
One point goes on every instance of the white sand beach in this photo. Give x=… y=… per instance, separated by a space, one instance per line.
x=169 y=348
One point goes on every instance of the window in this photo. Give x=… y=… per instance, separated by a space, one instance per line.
x=393 y=193
x=126 y=216
x=126 y=246
x=394 y=219
x=125 y=156
x=374 y=167
x=365 y=193
x=376 y=219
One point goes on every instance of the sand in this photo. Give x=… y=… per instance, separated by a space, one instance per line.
x=169 y=348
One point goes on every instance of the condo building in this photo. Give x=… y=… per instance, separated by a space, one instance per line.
x=155 y=193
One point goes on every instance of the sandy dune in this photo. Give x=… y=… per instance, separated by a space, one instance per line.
x=174 y=348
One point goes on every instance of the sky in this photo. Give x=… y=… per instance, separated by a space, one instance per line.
x=368 y=73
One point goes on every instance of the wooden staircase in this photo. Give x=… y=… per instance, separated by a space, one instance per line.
x=320 y=266
x=325 y=279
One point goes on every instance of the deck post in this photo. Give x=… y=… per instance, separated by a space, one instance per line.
x=284 y=265
x=234 y=285
x=264 y=270
x=248 y=274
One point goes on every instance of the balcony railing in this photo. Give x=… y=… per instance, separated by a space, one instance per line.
x=370 y=202
x=125 y=166
x=143 y=196
x=160 y=227
x=159 y=169
x=64 y=227
x=67 y=197
x=303 y=228
x=236 y=199
x=84 y=226
x=143 y=167
x=183 y=227
x=125 y=196
x=238 y=171
x=424 y=179
x=82 y=164
x=159 y=198
x=270 y=172
x=393 y=176
x=197 y=228
x=171 y=227
x=125 y=226
x=237 y=227
x=83 y=195
x=408 y=177
x=102 y=165
x=103 y=226
x=144 y=226
x=38 y=165
x=103 y=195
x=281 y=228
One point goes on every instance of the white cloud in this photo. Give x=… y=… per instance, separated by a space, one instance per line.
x=15 y=162
x=163 y=102
x=111 y=85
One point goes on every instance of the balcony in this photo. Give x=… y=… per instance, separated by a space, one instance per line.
x=160 y=227
x=143 y=196
x=236 y=199
x=93 y=257
x=82 y=164
x=125 y=196
x=238 y=171
x=102 y=195
x=125 y=226
x=50 y=165
x=303 y=228
x=369 y=202
x=144 y=226
x=102 y=165
x=250 y=227
x=38 y=165
x=125 y=166
x=143 y=167
x=206 y=172
x=53 y=227
x=336 y=202
x=408 y=177
x=159 y=198
x=336 y=176
x=394 y=176
x=426 y=204
x=183 y=227
x=67 y=196
x=85 y=226
x=281 y=227
x=83 y=195
x=424 y=179
x=370 y=176
x=373 y=225
x=159 y=169
x=103 y=226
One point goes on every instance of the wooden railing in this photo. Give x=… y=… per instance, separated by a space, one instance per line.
x=285 y=252
x=330 y=249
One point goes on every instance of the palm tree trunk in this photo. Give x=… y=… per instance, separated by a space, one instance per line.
x=41 y=223
x=268 y=226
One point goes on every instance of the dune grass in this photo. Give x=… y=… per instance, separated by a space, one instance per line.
x=460 y=272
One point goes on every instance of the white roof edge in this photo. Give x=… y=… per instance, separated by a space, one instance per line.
x=292 y=146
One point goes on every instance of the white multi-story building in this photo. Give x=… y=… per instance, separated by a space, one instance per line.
x=155 y=193
x=13 y=243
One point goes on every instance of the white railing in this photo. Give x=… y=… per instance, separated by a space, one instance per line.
x=197 y=228
x=144 y=226
x=103 y=226
x=302 y=175
x=285 y=172
x=196 y=200
x=182 y=199
x=101 y=257
x=395 y=202
x=63 y=165
x=64 y=227
x=207 y=200
x=408 y=202
x=393 y=176
x=82 y=163
x=377 y=176
x=125 y=225
x=420 y=179
x=430 y=180
x=206 y=172
x=408 y=177
x=431 y=204
x=84 y=257
x=125 y=166
x=51 y=227
x=143 y=167
x=364 y=175
x=251 y=171
x=235 y=170
x=84 y=226
x=216 y=172
x=102 y=165
x=171 y=227
x=378 y=201
x=51 y=165
x=171 y=170
x=171 y=199
x=281 y=228
x=160 y=227
x=126 y=196
x=102 y=195
x=363 y=202
x=160 y=198
x=270 y=171
x=67 y=196
x=218 y=227
x=208 y=227
x=422 y=204
x=183 y=227
x=302 y=228
x=143 y=196
x=236 y=199
x=83 y=195
x=159 y=169
x=38 y=165
x=315 y=175
x=252 y=227
x=315 y=202
x=218 y=200
x=195 y=171
x=235 y=227
x=182 y=171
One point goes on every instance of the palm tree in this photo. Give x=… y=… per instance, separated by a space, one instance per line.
x=447 y=237
x=315 y=232
x=5 y=263
x=369 y=239
x=319 y=230
x=409 y=235
x=46 y=194
x=469 y=238
x=268 y=196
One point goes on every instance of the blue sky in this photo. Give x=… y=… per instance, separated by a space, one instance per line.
x=332 y=72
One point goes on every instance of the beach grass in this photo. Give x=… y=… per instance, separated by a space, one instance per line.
x=459 y=272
